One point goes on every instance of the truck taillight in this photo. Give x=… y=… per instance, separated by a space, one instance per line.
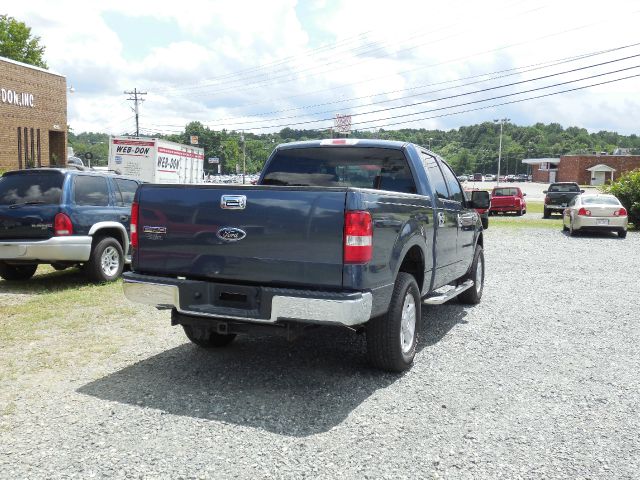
x=583 y=212
x=621 y=213
x=62 y=225
x=546 y=200
x=134 y=225
x=358 y=237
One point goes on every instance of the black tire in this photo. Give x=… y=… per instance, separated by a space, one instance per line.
x=385 y=334
x=106 y=261
x=13 y=273
x=206 y=338
x=473 y=295
x=546 y=213
x=622 y=233
x=519 y=212
x=485 y=222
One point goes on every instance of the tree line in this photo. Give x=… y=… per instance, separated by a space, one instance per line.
x=468 y=149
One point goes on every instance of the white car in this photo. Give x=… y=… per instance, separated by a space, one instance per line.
x=595 y=213
x=489 y=177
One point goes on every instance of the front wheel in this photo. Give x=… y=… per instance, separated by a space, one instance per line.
x=392 y=338
x=485 y=222
x=17 y=272
x=206 y=338
x=472 y=295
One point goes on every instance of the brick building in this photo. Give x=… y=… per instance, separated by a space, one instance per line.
x=33 y=109
x=583 y=169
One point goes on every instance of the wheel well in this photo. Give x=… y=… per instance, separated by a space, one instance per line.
x=413 y=263
x=108 y=232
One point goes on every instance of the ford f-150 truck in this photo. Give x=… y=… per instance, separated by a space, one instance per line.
x=355 y=233
x=558 y=196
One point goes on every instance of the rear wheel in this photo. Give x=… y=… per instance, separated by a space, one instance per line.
x=106 y=261
x=572 y=231
x=622 y=233
x=392 y=338
x=17 y=272
x=546 y=213
x=206 y=337
x=473 y=295
x=519 y=212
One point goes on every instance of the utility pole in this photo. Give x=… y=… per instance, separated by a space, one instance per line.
x=244 y=157
x=501 y=121
x=135 y=94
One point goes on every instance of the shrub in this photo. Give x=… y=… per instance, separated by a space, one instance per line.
x=627 y=189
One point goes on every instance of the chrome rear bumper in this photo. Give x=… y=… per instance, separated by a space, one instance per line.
x=74 y=248
x=347 y=309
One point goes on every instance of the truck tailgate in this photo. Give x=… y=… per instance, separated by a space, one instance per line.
x=282 y=236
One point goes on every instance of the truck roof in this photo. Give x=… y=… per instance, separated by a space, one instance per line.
x=347 y=142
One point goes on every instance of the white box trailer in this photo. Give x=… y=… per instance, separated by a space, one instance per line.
x=156 y=161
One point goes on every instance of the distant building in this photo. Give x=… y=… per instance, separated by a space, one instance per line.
x=583 y=169
x=33 y=108
x=622 y=151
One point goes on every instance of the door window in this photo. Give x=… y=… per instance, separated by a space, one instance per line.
x=438 y=183
x=455 y=192
x=126 y=190
x=89 y=190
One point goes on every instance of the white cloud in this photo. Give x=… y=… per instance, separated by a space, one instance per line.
x=217 y=70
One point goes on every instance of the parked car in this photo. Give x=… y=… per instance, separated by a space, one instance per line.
x=362 y=234
x=595 y=213
x=483 y=212
x=511 y=178
x=508 y=199
x=477 y=177
x=489 y=177
x=64 y=217
x=522 y=177
x=462 y=178
x=558 y=196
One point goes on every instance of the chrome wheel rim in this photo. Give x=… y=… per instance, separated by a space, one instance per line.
x=479 y=275
x=110 y=261
x=408 y=323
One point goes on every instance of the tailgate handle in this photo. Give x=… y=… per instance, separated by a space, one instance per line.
x=233 y=202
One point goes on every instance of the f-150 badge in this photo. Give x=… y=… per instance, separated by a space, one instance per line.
x=231 y=234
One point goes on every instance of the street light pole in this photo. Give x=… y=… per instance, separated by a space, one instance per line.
x=501 y=121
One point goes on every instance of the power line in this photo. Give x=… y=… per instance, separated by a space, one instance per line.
x=136 y=101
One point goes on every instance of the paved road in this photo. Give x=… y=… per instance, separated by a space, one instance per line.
x=538 y=381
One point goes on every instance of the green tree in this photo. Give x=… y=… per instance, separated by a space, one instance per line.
x=17 y=43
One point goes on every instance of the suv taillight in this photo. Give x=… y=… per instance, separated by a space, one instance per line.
x=358 y=237
x=583 y=212
x=62 y=225
x=134 y=225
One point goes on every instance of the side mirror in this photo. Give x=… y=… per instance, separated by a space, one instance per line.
x=524 y=194
x=480 y=199
x=544 y=191
x=581 y=191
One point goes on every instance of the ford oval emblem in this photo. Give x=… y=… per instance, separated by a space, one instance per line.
x=231 y=234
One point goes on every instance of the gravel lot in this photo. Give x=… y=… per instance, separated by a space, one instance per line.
x=541 y=380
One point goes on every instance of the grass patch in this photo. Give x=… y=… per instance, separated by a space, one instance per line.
x=535 y=207
x=554 y=223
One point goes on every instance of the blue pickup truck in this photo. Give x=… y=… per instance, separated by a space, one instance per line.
x=64 y=217
x=355 y=233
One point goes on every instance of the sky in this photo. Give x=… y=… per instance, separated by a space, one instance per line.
x=260 y=66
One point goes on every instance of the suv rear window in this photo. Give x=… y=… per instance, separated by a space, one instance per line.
x=377 y=168
x=564 y=188
x=505 y=192
x=44 y=188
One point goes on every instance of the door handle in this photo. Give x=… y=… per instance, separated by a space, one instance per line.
x=124 y=218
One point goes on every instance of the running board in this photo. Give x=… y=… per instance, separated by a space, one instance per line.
x=449 y=294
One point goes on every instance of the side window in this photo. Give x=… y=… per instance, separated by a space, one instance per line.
x=91 y=191
x=455 y=192
x=438 y=184
x=127 y=189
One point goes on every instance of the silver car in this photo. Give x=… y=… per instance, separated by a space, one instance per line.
x=595 y=213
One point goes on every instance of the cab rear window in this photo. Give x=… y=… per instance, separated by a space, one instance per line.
x=31 y=188
x=377 y=168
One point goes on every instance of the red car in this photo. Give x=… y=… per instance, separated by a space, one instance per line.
x=508 y=199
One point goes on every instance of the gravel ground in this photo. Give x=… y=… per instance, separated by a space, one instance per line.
x=541 y=380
